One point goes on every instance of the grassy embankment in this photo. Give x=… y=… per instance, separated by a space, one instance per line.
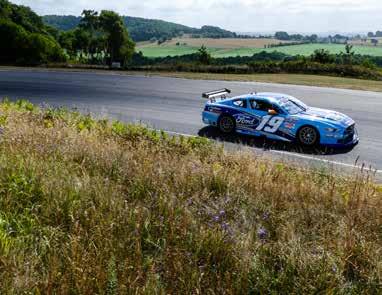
x=222 y=48
x=97 y=207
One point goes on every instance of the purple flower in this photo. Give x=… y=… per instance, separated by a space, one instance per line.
x=225 y=226
x=262 y=233
x=265 y=216
x=334 y=269
x=221 y=212
x=216 y=218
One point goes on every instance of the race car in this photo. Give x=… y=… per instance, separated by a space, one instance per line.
x=278 y=117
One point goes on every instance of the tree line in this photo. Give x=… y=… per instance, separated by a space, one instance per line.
x=100 y=38
x=321 y=62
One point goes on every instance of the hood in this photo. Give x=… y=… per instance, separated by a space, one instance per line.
x=328 y=116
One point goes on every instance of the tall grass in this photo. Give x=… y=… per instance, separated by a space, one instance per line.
x=95 y=207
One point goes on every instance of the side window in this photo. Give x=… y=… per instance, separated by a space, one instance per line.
x=261 y=105
x=278 y=109
x=242 y=103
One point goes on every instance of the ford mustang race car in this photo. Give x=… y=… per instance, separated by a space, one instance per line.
x=280 y=117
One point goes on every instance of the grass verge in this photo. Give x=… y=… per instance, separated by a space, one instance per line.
x=91 y=206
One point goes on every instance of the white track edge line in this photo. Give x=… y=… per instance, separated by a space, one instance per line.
x=296 y=155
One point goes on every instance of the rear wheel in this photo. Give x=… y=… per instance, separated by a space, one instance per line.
x=227 y=124
x=308 y=136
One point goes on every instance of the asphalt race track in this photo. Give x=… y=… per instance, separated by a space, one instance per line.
x=175 y=105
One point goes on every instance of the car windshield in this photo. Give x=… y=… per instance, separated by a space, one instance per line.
x=293 y=106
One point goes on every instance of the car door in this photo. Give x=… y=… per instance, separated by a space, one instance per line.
x=242 y=114
x=271 y=117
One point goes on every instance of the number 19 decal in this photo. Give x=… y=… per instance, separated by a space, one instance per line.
x=270 y=124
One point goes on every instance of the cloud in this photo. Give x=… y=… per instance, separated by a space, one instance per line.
x=239 y=15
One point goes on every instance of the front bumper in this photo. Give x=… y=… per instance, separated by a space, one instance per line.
x=346 y=141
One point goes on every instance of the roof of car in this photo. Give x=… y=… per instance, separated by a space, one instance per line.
x=267 y=95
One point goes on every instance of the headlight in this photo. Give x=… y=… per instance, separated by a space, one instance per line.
x=331 y=129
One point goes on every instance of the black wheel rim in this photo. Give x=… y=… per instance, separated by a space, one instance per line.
x=226 y=124
x=308 y=136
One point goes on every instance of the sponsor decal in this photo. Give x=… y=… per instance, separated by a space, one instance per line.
x=245 y=120
x=290 y=123
x=214 y=110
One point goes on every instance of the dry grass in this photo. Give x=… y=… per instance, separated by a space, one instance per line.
x=224 y=43
x=93 y=207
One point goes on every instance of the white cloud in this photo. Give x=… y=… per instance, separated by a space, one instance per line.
x=239 y=15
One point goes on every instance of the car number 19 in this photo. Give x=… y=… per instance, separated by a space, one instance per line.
x=270 y=124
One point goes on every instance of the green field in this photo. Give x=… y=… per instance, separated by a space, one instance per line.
x=154 y=50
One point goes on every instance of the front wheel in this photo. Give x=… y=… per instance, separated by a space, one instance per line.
x=227 y=124
x=308 y=136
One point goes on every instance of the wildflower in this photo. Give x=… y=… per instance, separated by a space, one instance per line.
x=225 y=226
x=265 y=216
x=334 y=269
x=262 y=233
x=221 y=212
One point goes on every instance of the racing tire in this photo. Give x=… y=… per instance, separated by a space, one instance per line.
x=308 y=136
x=226 y=124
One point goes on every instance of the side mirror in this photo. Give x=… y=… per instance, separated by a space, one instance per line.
x=272 y=112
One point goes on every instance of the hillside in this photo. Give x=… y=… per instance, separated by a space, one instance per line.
x=95 y=207
x=142 y=29
x=62 y=22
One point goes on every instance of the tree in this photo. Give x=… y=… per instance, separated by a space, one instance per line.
x=282 y=36
x=370 y=34
x=119 y=46
x=374 y=42
x=42 y=49
x=81 y=41
x=89 y=20
x=349 y=54
x=66 y=40
x=90 y=24
x=322 y=56
x=313 y=38
x=204 y=56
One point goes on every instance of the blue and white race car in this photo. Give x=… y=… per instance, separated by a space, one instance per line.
x=279 y=117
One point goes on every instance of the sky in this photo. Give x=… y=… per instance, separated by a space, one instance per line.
x=237 y=15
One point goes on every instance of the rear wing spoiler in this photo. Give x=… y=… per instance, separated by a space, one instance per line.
x=212 y=95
